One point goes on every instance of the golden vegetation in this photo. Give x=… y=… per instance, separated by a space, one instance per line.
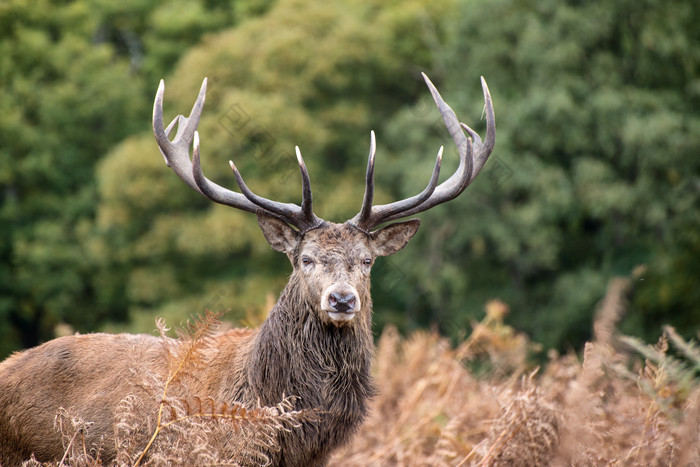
x=607 y=408
x=477 y=403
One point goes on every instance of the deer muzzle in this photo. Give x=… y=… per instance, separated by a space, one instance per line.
x=341 y=302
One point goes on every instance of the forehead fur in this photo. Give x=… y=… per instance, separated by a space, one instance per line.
x=338 y=238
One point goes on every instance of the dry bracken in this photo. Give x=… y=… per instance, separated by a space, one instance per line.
x=525 y=432
x=622 y=402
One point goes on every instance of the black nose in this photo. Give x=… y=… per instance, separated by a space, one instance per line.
x=342 y=302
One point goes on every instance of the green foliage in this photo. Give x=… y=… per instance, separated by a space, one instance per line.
x=63 y=104
x=676 y=366
x=594 y=172
x=72 y=78
x=595 y=169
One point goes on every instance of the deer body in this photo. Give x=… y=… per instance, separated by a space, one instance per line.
x=88 y=374
x=97 y=397
x=315 y=345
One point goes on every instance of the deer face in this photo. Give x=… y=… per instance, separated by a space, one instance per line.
x=333 y=262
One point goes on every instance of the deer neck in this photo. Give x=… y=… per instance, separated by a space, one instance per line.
x=296 y=353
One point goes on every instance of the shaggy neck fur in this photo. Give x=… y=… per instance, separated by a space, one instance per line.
x=327 y=367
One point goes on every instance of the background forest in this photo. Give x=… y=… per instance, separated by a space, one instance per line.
x=595 y=174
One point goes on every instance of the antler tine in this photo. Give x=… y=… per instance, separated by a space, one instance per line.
x=484 y=148
x=369 y=180
x=385 y=211
x=473 y=154
x=167 y=133
x=213 y=191
x=448 y=116
x=176 y=155
x=171 y=152
x=177 y=152
x=300 y=217
x=306 y=197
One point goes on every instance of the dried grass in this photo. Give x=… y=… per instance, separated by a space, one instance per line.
x=622 y=402
x=609 y=408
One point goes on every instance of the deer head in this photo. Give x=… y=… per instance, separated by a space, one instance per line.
x=331 y=261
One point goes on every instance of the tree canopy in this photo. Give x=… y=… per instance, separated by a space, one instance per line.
x=595 y=172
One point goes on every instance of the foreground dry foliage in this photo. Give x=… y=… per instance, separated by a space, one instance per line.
x=610 y=408
x=479 y=403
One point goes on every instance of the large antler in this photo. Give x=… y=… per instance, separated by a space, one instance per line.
x=177 y=157
x=472 y=156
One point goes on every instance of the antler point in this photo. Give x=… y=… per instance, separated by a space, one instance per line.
x=485 y=88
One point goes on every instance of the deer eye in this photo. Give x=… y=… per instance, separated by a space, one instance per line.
x=367 y=261
x=306 y=261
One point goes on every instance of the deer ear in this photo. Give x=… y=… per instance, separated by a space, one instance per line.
x=390 y=239
x=278 y=234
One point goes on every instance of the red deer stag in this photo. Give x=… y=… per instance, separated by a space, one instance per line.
x=316 y=344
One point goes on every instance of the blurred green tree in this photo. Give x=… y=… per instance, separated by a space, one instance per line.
x=595 y=170
x=594 y=173
x=72 y=75
x=64 y=103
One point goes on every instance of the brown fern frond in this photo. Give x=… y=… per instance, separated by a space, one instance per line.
x=187 y=352
x=525 y=433
x=130 y=433
x=200 y=327
x=199 y=430
x=689 y=434
x=74 y=431
x=194 y=429
x=495 y=345
x=610 y=310
x=182 y=356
